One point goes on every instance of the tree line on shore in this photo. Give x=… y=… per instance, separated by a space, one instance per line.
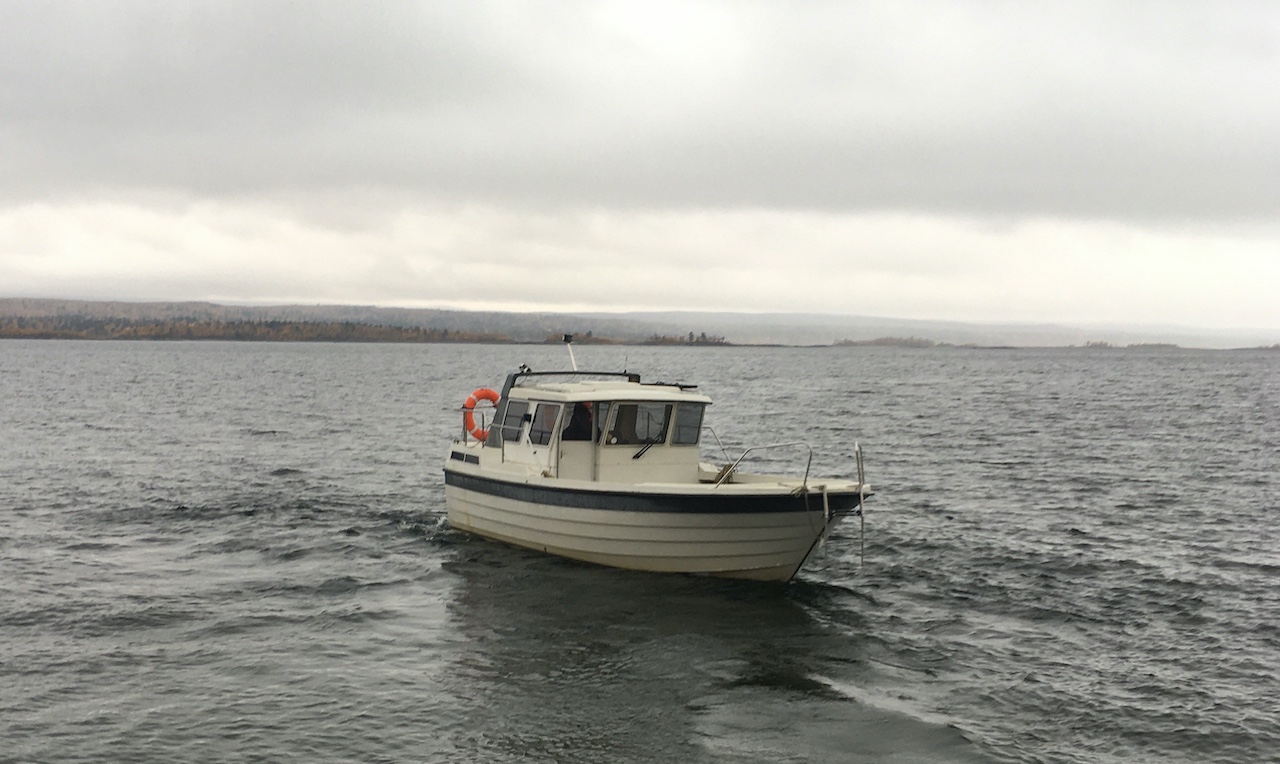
x=86 y=328
x=96 y=328
x=692 y=339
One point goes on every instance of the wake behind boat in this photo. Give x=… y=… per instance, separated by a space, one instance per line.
x=604 y=468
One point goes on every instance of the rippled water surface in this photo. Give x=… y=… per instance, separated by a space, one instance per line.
x=236 y=552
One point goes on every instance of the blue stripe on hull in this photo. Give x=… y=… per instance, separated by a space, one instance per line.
x=577 y=498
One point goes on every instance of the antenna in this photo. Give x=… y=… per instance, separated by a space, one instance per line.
x=568 y=342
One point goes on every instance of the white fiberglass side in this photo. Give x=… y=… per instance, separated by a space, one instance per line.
x=531 y=439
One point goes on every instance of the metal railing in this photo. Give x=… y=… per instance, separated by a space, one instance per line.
x=719 y=442
x=478 y=413
x=727 y=473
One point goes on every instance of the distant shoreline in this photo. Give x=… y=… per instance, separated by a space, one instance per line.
x=86 y=328
x=51 y=318
x=99 y=329
x=77 y=327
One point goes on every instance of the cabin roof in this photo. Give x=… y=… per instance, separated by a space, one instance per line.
x=606 y=390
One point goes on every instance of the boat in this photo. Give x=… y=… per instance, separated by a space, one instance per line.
x=604 y=468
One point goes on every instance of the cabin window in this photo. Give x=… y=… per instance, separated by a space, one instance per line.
x=579 y=425
x=544 y=423
x=512 y=419
x=639 y=424
x=688 y=424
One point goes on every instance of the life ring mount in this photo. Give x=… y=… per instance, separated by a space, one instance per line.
x=468 y=412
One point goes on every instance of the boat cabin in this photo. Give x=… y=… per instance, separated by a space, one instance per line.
x=613 y=429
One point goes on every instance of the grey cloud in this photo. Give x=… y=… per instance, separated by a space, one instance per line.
x=1126 y=110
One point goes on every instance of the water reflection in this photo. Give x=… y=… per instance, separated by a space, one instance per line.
x=572 y=662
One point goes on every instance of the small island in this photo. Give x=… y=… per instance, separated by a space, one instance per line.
x=891 y=342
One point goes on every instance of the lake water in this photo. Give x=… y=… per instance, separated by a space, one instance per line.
x=237 y=552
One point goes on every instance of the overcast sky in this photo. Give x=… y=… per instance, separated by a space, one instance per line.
x=1082 y=161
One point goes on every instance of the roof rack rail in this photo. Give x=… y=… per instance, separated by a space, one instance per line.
x=515 y=377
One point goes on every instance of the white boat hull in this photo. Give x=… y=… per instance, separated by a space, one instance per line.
x=703 y=533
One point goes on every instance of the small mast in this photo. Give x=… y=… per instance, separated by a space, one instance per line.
x=568 y=342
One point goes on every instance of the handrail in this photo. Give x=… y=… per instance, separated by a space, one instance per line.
x=631 y=376
x=484 y=421
x=862 y=505
x=726 y=473
x=720 y=443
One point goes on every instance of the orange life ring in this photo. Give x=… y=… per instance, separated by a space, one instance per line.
x=468 y=409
